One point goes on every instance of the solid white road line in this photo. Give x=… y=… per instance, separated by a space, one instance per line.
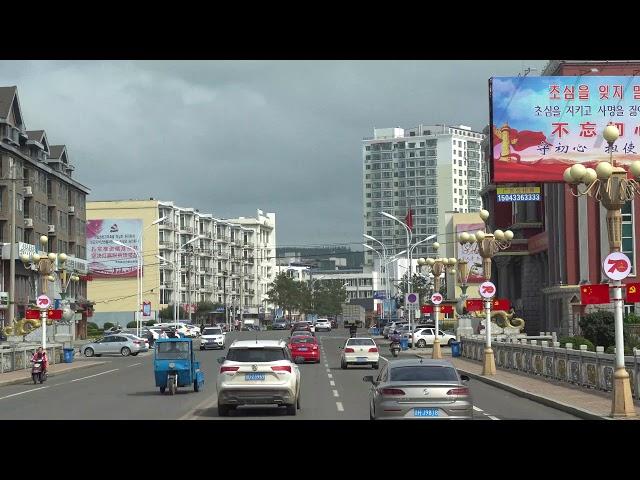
x=335 y=393
x=22 y=393
x=332 y=383
x=134 y=365
x=385 y=359
x=90 y=376
x=339 y=406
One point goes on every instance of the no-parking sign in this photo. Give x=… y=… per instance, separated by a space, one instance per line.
x=412 y=301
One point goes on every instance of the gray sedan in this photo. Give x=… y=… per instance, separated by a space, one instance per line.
x=419 y=389
x=118 y=344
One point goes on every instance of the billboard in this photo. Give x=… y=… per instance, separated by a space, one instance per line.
x=108 y=259
x=470 y=253
x=542 y=125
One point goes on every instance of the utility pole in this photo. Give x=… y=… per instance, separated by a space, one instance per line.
x=189 y=269
x=12 y=254
x=241 y=289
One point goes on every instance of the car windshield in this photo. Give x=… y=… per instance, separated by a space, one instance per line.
x=306 y=339
x=360 y=341
x=172 y=350
x=302 y=333
x=212 y=331
x=256 y=354
x=423 y=373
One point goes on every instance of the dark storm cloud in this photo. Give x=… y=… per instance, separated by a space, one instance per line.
x=231 y=137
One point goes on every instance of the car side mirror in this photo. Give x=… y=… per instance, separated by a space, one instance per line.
x=368 y=378
x=221 y=360
x=464 y=378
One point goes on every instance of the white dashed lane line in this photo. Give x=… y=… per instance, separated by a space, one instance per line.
x=477 y=409
x=329 y=375
x=97 y=374
x=339 y=406
x=335 y=393
x=22 y=393
x=332 y=383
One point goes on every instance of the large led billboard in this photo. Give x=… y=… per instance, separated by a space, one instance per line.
x=542 y=125
x=108 y=259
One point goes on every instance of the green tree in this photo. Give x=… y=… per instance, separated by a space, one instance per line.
x=284 y=293
x=421 y=285
x=167 y=313
x=328 y=298
x=599 y=327
x=203 y=309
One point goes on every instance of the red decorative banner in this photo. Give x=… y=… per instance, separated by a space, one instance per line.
x=426 y=308
x=501 y=304
x=475 y=305
x=443 y=308
x=32 y=314
x=54 y=314
x=633 y=292
x=594 y=294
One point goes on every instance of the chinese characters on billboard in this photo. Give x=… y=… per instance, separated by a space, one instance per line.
x=108 y=259
x=469 y=252
x=542 y=125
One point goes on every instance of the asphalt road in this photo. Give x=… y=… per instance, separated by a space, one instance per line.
x=124 y=388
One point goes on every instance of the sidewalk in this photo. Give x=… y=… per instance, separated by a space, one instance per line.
x=581 y=402
x=22 y=376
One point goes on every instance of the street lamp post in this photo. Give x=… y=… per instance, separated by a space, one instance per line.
x=609 y=185
x=488 y=245
x=380 y=267
x=438 y=266
x=384 y=273
x=179 y=279
x=46 y=267
x=408 y=230
x=464 y=269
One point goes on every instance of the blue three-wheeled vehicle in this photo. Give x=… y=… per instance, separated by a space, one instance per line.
x=175 y=366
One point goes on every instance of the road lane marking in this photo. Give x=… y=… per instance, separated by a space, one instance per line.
x=335 y=393
x=477 y=409
x=339 y=406
x=329 y=375
x=493 y=418
x=90 y=376
x=328 y=370
x=22 y=393
x=332 y=383
x=134 y=365
x=386 y=360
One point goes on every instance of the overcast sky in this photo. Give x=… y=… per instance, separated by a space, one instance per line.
x=229 y=137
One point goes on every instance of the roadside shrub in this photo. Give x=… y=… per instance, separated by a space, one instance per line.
x=132 y=324
x=599 y=328
x=578 y=341
x=92 y=326
x=108 y=325
x=149 y=323
x=627 y=350
x=631 y=318
x=447 y=326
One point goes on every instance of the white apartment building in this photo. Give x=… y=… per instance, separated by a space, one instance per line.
x=431 y=169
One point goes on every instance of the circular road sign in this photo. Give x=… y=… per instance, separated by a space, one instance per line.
x=436 y=298
x=487 y=290
x=412 y=298
x=616 y=266
x=44 y=302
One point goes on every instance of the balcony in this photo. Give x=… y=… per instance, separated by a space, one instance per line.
x=27 y=191
x=51 y=230
x=28 y=223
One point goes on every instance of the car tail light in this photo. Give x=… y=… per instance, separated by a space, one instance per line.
x=348 y=350
x=374 y=349
x=228 y=369
x=459 y=391
x=315 y=347
x=391 y=391
x=282 y=368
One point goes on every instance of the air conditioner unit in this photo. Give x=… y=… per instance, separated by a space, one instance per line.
x=52 y=229
x=28 y=191
x=28 y=222
x=72 y=210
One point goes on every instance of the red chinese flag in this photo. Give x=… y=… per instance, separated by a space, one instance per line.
x=446 y=308
x=590 y=294
x=475 y=305
x=54 y=314
x=523 y=139
x=409 y=220
x=633 y=292
x=426 y=308
x=32 y=314
x=501 y=304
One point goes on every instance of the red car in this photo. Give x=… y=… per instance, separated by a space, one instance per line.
x=304 y=348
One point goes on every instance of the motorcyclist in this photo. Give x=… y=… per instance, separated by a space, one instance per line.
x=41 y=356
x=353 y=330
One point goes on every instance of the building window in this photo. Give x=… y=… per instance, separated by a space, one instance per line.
x=627 y=233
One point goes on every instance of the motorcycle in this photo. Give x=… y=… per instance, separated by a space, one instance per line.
x=395 y=344
x=37 y=372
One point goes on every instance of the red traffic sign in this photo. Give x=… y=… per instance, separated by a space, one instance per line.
x=487 y=290
x=616 y=266
x=436 y=298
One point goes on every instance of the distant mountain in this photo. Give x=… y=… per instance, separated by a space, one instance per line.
x=320 y=257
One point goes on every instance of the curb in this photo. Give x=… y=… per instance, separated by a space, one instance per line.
x=578 y=412
x=19 y=381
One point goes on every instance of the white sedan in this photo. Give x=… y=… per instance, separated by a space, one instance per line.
x=425 y=336
x=323 y=324
x=360 y=351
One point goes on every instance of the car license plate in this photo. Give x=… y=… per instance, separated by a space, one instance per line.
x=361 y=359
x=302 y=349
x=426 y=412
x=254 y=376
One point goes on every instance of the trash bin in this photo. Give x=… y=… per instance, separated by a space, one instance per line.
x=456 y=350
x=374 y=331
x=404 y=343
x=68 y=355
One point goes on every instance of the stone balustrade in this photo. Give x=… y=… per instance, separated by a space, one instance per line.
x=547 y=359
x=17 y=356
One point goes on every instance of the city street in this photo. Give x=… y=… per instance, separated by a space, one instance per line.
x=123 y=388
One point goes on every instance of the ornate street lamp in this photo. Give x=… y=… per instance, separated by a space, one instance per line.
x=610 y=185
x=46 y=267
x=464 y=269
x=438 y=266
x=488 y=245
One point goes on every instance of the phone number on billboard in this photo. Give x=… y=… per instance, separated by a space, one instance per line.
x=519 y=197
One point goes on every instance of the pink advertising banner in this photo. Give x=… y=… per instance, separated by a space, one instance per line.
x=469 y=252
x=108 y=259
